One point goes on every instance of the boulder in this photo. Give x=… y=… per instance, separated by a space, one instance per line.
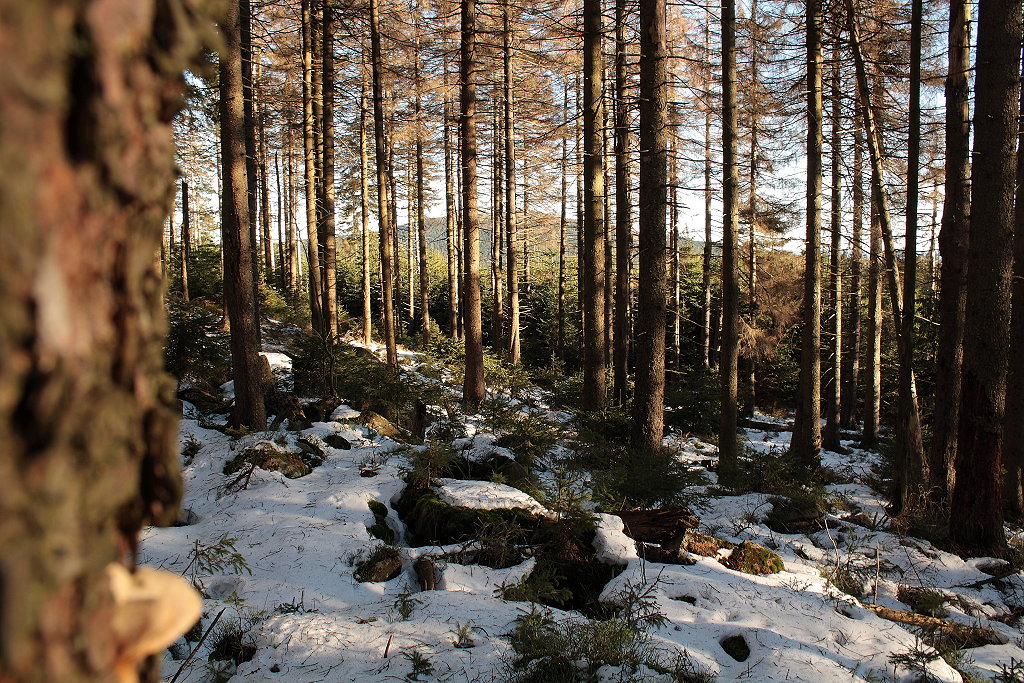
x=338 y=441
x=383 y=564
x=379 y=424
x=751 y=558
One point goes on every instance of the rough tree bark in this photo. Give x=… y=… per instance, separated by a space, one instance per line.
x=806 y=442
x=649 y=396
x=473 y=382
x=364 y=199
x=953 y=251
x=1013 y=426
x=832 y=375
x=89 y=434
x=728 y=370
x=512 y=259
x=976 y=524
x=239 y=258
x=594 y=361
x=310 y=177
x=186 y=239
x=326 y=227
x=851 y=345
x=384 y=215
x=623 y=215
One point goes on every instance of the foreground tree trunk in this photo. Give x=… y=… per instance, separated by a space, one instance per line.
x=806 y=443
x=953 y=250
x=977 y=523
x=728 y=369
x=239 y=257
x=88 y=431
x=473 y=382
x=649 y=396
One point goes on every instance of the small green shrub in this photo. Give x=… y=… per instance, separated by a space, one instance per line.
x=197 y=348
x=644 y=479
x=573 y=650
x=693 y=402
x=213 y=558
x=531 y=438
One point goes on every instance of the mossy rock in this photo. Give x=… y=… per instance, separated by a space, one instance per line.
x=380 y=529
x=751 y=558
x=266 y=457
x=799 y=513
x=434 y=522
x=383 y=564
x=379 y=424
x=704 y=545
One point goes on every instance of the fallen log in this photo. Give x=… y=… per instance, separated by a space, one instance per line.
x=966 y=636
x=661 y=525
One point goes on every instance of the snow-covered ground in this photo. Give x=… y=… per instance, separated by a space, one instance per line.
x=311 y=620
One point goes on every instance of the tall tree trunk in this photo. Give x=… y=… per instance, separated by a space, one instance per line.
x=912 y=465
x=421 y=221
x=851 y=342
x=282 y=281
x=383 y=211
x=186 y=239
x=249 y=128
x=294 y=260
x=311 y=182
x=473 y=382
x=913 y=475
x=649 y=397
x=750 y=399
x=497 y=231
x=705 y=310
x=873 y=356
x=86 y=421
x=728 y=370
x=832 y=375
x=806 y=442
x=953 y=251
x=562 y=221
x=675 y=314
x=364 y=201
x=512 y=263
x=411 y=232
x=976 y=523
x=451 y=217
x=239 y=264
x=268 y=242
x=1013 y=425
x=327 y=225
x=594 y=361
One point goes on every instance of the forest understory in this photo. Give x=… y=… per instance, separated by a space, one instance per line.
x=343 y=545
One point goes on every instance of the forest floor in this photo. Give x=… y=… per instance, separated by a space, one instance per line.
x=278 y=558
